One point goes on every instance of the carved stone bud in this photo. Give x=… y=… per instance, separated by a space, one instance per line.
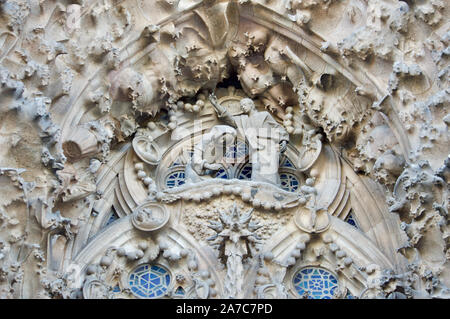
x=245 y=197
x=91 y=269
x=141 y=174
x=348 y=261
x=204 y=274
x=256 y=203
x=183 y=253
x=192 y=265
x=267 y=205
x=333 y=247
x=121 y=252
x=341 y=254
x=268 y=256
x=296 y=253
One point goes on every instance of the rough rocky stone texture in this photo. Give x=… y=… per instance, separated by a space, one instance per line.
x=100 y=101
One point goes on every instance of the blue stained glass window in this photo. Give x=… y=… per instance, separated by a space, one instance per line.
x=180 y=291
x=317 y=283
x=116 y=288
x=149 y=281
x=289 y=182
x=351 y=220
x=176 y=163
x=286 y=163
x=175 y=179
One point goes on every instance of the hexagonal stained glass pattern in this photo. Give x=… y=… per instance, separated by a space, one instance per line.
x=149 y=281
x=316 y=282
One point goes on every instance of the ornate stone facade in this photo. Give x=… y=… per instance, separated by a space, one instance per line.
x=224 y=149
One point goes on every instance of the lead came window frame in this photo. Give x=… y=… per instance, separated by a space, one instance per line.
x=149 y=281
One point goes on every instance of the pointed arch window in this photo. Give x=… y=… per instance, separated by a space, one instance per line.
x=351 y=219
x=113 y=216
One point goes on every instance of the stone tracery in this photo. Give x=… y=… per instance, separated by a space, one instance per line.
x=120 y=120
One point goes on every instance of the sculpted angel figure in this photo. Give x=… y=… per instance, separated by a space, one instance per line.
x=266 y=138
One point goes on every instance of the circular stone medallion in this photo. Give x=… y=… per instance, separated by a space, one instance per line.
x=150 y=217
x=309 y=155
